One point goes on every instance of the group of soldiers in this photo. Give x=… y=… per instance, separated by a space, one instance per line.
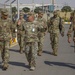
x=30 y=35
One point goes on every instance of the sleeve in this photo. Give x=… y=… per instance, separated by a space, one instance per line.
x=70 y=30
x=49 y=24
x=13 y=29
x=23 y=26
x=62 y=23
x=45 y=25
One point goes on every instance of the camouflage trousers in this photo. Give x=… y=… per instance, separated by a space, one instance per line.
x=40 y=43
x=54 y=37
x=31 y=52
x=20 y=39
x=4 y=47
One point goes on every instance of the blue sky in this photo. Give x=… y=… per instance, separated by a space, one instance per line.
x=60 y=2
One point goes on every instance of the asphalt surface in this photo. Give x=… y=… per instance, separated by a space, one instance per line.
x=47 y=64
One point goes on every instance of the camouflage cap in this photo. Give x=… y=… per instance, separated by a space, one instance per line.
x=29 y=14
x=40 y=12
x=73 y=12
x=21 y=14
x=4 y=11
x=57 y=12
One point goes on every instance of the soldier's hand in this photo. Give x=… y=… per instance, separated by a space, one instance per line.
x=62 y=34
x=69 y=40
x=19 y=22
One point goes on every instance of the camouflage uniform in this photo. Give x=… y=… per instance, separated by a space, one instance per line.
x=43 y=27
x=31 y=39
x=5 y=36
x=20 y=34
x=54 y=30
x=72 y=27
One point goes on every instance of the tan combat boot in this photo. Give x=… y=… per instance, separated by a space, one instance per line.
x=21 y=50
x=5 y=66
x=32 y=68
x=39 y=53
x=54 y=52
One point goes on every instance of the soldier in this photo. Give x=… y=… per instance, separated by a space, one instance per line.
x=55 y=26
x=43 y=27
x=5 y=36
x=20 y=32
x=31 y=41
x=71 y=28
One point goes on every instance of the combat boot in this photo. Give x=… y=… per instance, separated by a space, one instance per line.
x=54 y=53
x=32 y=65
x=5 y=66
x=21 y=50
x=39 y=53
x=32 y=68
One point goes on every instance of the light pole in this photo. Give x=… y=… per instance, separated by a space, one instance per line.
x=33 y=6
x=11 y=10
x=18 y=8
x=43 y=5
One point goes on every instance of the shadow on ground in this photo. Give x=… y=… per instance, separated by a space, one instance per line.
x=18 y=64
x=47 y=52
x=14 y=50
x=70 y=65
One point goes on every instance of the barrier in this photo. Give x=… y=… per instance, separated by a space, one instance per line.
x=67 y=23
x=13 y=42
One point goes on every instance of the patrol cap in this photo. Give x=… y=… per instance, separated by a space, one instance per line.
x=40 y=12
x=21 y=14
x=55 y=12
x=73 y=12
x=4 y=11
x=29 y=14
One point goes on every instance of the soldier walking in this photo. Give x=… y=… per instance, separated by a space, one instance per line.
x=43 y=28
x=31 y=41
x=55 y=26
x=72 y=28
x=5 y=36
x=20 y=32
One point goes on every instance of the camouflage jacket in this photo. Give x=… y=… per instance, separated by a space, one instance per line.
x=53 y=25
x=31 y=31
x=71 y=29
x=20 y=30
x=42 y=26
x=5 y=29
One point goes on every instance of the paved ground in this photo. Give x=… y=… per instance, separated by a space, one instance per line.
x=47 y=64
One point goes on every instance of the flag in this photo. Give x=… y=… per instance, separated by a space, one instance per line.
x=7 y=1
x=13 y=1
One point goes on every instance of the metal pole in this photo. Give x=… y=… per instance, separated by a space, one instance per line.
x=11 y=11
x=43 y=5
x=53 y=1
x=4 y=5
x=18 y=8
x=33 y=6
